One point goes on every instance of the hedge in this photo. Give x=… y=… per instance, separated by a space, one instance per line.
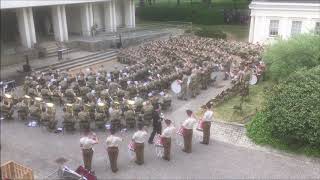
x=292 y=111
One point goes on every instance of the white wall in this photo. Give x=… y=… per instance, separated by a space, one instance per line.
x=262 y=13
x=73 y=19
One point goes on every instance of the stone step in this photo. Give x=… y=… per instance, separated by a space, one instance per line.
x=92 y=62
x=55 y=53
x=78 y=61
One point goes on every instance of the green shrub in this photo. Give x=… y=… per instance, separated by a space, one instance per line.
x=207 y=32
x=287 y=56
x=291 y=114
x=293 y=108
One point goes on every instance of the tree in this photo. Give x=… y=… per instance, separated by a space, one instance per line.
x=287 y=56
x=292 y=112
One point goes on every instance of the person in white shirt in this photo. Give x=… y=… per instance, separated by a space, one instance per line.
x=139 y=138
x=187 y=126
x=113 y=150
x=166 y=138
x=86 y=144
x=207 y=119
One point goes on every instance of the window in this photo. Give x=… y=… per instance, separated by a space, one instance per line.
x=317 y=28
x=296 y=27
x=274 y=28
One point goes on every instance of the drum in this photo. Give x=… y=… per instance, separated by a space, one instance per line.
x=176 y=87
x=253 y=80
x=159 y=149
x=131 y=151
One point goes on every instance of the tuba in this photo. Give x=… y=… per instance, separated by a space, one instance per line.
x=50 y=108
x=131 y=104
x=87 y=107
x=101 y=107
x=38 y=102
x=69 y=108
x=28 y=100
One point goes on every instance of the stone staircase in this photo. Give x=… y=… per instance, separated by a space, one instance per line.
x=52 y=49
x=84 y=61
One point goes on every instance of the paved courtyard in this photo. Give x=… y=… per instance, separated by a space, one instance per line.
x=229 y=155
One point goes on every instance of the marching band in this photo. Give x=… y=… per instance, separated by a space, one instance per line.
x=135 y=95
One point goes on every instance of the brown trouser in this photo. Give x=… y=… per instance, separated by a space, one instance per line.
x=206 y=132
x=113 y=156
x=139 y=149
x=167 y=147
x=87 y=158
x=187 y=137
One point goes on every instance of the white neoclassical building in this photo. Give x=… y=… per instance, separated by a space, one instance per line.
x=282 y=18
x=26 y=22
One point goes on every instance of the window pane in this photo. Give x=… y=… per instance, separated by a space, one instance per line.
x=296 y=27
x=317 y=29
x=274 y=27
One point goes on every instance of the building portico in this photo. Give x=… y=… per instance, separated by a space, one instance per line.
x=67 y=18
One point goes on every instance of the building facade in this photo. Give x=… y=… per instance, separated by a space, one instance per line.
x=272 y=19
x=27 y=22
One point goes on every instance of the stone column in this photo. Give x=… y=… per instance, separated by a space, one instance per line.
x=128 y=13
x=108 y=16
x=86 y=19
x=133 y=14
x=59 y=20
x=252 y=29
x=26 y=27
x=114 y=15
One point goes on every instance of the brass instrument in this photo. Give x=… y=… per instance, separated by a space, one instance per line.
x=50 y=108
x=69 y=108
x=38 y=101
x=101 y=107
x=87 y=107
x=8 y=98
x=28 y=99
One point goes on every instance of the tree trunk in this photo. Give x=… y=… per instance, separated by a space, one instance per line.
x=178 y=2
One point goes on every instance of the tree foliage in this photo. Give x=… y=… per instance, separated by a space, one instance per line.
x=287 y=56
x=292 y=110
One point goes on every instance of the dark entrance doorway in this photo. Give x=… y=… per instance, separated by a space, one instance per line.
x=43 y=24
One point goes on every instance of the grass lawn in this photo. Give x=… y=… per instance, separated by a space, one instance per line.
x=196 y=12
x=226 y=111
x=195 y=3
x=234 y=32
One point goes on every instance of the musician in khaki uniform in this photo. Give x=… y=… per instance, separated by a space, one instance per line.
x=187 y=126
x=86 y=144
x=113 y=150
x=139 y=138
x=166 y=138
x=207 y=119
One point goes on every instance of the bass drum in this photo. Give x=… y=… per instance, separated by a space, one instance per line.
x=176 y=87
x=253 y=80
